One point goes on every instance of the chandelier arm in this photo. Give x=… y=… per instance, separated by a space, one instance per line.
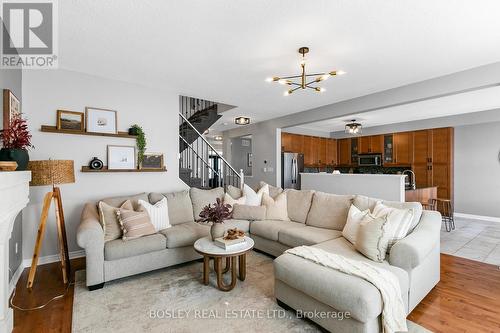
x=293 y=84
x=311 y=82
x=317 y=74
x=292 y=90
x=311 y=87
x=290 y=77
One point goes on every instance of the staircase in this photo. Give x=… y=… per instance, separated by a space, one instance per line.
x=200 y=165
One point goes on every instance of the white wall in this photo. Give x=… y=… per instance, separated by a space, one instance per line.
x=155 y=110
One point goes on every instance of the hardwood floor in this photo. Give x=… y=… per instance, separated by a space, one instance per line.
x=467 y=299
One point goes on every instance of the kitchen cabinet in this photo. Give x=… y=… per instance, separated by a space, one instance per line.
x=322 y=151
x=370 y=144
x=308 y=151
x=344 y=151
x=297 y=143
x=441 y=161
x=331 y=152
x=286 y=142
x=402 y=148
x=422 y=147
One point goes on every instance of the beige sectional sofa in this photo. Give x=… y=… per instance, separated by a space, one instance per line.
x=316 y=219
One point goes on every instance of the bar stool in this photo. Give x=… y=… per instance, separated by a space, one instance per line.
x=430 y=205
x=446 y=212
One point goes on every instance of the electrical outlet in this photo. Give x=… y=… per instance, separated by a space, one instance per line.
x=16 y=247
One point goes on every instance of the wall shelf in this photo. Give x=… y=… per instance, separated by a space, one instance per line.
x=105 y=169
x=53 y=129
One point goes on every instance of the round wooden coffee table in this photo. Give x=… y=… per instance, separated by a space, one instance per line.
x=206 y=247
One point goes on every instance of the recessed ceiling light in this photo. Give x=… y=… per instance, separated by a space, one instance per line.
x=218 y=138
x=242 y=120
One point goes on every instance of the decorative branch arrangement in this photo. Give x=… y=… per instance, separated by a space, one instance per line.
x=216 y=213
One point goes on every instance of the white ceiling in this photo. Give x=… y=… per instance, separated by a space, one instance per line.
x=223 y=50
x=474 y=101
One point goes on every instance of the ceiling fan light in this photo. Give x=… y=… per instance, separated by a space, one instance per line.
x=242 y=120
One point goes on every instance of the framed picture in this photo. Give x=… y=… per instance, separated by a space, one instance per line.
x=11 y=107
x=121 y=157
x=249 y=159
x=152 y=161
x=101 y=120
x=70 y=120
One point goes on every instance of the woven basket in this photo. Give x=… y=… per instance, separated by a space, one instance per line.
x=51 y=172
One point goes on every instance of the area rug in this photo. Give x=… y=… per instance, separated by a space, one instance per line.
x=175 y=300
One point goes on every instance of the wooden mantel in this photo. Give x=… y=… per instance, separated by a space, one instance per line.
x=14 y=194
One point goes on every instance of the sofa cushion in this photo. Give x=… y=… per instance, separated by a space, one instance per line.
x=270 y=229
x=202 y=198
x=364 y=202
x=329 y=210
x=118 y=201
x=276 y=209
x=306 y=236
x=299 y=203
x=336 y=289
x=243 y=225
x=117 y=249
x=180 y=208
x=231 y=201
x=253 y=213
x=185 y=234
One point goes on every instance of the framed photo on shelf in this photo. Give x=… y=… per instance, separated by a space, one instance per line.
x=121 y=157
x=101 y=120
x=152 y=161
x=11 y=107
x=249 y=159
x=70 y=120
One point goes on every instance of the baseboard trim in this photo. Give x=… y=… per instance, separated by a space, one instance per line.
x=15 y=278
x=53 y=258
x=478 y=217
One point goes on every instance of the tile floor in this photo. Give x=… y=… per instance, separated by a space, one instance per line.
x=473 y=239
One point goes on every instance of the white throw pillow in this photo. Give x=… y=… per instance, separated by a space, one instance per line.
x=398 y=222
x=371 y=238
x=158 y=213
x=229 y=200
x=254 y=199
x=276 y=209
x=354 y=218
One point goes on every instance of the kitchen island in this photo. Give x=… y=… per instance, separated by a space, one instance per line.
x=385 y=187
x=422 y=194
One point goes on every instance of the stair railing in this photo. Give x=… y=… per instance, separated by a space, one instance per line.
x=195 y=159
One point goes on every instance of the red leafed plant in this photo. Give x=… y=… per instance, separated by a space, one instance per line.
x=216 y=213
x=17 y=136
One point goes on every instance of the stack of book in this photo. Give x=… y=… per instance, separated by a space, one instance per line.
x=228 y=243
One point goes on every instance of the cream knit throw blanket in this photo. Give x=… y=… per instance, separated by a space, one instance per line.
x=393 y=311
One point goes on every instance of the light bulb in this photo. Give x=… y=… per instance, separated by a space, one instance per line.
x=325 y=77
x=288 y=92
x=341 y=72
x=322 y=89
x=282 y=81
x=269 y=79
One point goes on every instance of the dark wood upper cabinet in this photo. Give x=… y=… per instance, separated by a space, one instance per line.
x=371 y=144
x=403 y=148
x=331 y=152
x=286 y=142
x=364 y=144
x=344 y=151
x=297 y=143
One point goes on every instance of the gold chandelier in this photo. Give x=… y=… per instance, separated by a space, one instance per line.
x=303 y=80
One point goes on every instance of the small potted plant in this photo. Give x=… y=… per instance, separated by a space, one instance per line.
x=140 y=141
x=16 y=140
x=216 y=214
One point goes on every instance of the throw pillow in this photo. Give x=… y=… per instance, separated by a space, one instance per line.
x=109 y=220
x=354 y=218
x=371 y=239
x=415 y=206
x=158 y=213
x=135 y=224
x=233 y=191
x=398 y=221
x=276 y=209
x=254 y=198
x=252 y=213
x=273 y=190
x=229 y=200
x=180 y=207
x=329 y=210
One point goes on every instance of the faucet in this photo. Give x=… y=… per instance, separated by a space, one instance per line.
x=411 y=180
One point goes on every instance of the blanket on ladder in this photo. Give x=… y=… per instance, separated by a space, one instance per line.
x=393 y=311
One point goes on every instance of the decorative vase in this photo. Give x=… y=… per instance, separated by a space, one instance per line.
x=216 y=230
x=21 y=156
x=133 y=131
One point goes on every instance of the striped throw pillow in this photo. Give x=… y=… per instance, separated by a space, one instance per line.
x=158 y=213
x=134 y=224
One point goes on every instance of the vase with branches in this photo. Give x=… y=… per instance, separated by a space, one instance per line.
x=216 y=214
x=16 y=140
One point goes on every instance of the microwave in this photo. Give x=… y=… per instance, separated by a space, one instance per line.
x=369 y=159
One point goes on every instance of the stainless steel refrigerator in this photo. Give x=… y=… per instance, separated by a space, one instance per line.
x=292 y=164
